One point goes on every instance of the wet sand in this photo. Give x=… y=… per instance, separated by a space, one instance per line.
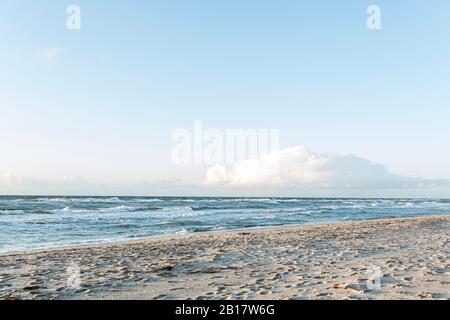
x=384 y=259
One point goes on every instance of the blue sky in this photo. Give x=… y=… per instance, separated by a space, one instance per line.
x=101 y=111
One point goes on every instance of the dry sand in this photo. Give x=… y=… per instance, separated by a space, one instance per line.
x=333 y=261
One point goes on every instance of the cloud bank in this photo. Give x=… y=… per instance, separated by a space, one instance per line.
x=14 y=184
x=291 y=172
x=299 y=167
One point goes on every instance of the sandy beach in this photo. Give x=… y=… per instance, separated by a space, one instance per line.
x=384 y=259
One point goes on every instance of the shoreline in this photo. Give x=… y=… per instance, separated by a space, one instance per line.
x=215 y=232
x=313 y=261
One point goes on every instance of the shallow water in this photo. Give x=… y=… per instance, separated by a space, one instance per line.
x=28 y=223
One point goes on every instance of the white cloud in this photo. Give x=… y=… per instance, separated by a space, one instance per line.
x=279 y=168
x=50 y=54
x=12 y=183
x=12 y=179
x=297 y=166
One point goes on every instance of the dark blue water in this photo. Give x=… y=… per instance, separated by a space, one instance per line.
x=28 y=223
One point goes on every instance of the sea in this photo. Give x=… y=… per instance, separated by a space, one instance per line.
x=34 y=223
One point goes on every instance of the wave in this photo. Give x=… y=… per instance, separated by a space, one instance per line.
x=80 y=200
x=149 y=200
x=176 y=223
x=125 y=226
x=178 y=208
x=182 y=231
x=204 y=208
x=267 y=200
x=124 y=208
x=11 y=211
x=121 y=208
x=148 y=208
x=207 y=208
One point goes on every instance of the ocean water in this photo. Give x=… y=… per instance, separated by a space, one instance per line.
x=30 y=223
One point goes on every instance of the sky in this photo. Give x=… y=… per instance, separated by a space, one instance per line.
x=92 y=111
